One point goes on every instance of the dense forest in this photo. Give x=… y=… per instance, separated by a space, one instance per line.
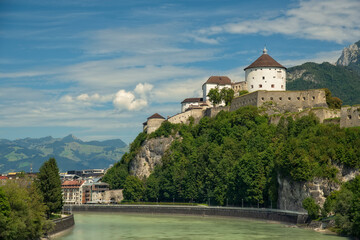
x=236 y=157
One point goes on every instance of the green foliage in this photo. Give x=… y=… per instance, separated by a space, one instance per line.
x=214 y=96
x=24 y=211
x=311 y=207
x=133 y=189
x=49 y=183
x=243 y=92
x=227 y=94
x=332 y=102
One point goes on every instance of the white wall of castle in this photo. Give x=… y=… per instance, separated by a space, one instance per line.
x=184 y=117
x=265 y=78
x=208 y=86
x=186 y=105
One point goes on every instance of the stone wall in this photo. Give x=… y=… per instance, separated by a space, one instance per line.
x=197 y=114
x=153 y=124
x=254 y=213
x=62 y=224
x=350 y=116
x=113 y=195
x=212 y=112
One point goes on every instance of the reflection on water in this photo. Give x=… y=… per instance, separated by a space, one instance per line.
x=104 y=226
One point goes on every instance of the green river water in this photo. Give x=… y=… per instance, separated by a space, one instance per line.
x=104 y=226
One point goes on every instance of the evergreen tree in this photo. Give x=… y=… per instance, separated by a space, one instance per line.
x=49 y=184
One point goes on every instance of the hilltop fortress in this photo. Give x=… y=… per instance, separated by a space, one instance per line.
x=265 y=82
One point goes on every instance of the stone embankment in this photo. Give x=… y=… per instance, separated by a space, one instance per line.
x=62 y=224
x=253 y=213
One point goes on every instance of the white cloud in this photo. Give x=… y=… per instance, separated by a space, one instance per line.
x=328 y=20
x=143 y=89
x=126 y=101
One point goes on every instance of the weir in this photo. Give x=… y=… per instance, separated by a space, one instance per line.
x=253 y=213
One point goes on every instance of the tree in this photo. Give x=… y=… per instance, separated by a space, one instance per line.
x=22 y=203
x=214 y=96
x=227 y=95
x=49 y=184
x=133 y=189
x=332 y=102
x=311 y=207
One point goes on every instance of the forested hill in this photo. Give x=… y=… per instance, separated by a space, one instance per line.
x=239 y=156
x=343 y=79
x=70 y=153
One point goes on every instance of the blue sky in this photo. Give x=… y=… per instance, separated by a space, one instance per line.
x=98 y=69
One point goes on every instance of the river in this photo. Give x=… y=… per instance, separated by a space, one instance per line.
x=104 y=226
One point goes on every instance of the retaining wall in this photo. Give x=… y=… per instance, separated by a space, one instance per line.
x=254 y=213
x=62 y=224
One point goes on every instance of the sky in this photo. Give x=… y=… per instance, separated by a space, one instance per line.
x=98 y=68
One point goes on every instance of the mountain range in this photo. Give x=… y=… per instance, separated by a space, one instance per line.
x=342 y=78
x=70 y=152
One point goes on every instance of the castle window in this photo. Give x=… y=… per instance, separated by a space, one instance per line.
x=280 y=98
x=313 y=98
x=282 y=86
x=298 y=98
x=272 y=85
x=304 y=98
x=349 y=117
x=262 y=99
x=271 y=98
x=289 y=98
x=260 y=85
x=253 y=77
x=263 y=77
x=252 y=86
x=273 y=76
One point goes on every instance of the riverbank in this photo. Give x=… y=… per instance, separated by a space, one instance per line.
x=252 y=213
x=61 y=225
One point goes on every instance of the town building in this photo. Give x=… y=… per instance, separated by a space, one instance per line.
x=71 y=191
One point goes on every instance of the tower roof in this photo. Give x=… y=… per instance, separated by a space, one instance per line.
x=265 y=61
x=156 y=115
x=221 y=80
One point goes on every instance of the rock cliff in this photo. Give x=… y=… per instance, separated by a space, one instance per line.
x=149 y=156
x=350 y=55
x=291 y=194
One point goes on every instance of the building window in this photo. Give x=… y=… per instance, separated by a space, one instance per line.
x=298 y=98
x=282 y=86
x=280 y=98
x=273 y=76
x=289 y=98
x=262 y=99
x=272 y=85
x=313 y=98
x=253 y=77
x=304 y=98
x=349 y=116
x=252 y=86
x=260 y=85
x=263 y=78
x=271 y=98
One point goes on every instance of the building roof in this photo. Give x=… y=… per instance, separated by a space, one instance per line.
x=73 y=184
x=156 y=115
x=190 y=100
x=220 y=80
x=265 y=61
x=3 y=177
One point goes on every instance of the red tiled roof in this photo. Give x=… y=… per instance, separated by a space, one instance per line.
x=265 y=61
x=3 y=177
x=156 y=115
x=188 y=100
x=221 y=80
x=72 y=184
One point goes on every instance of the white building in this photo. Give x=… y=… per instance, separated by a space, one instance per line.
x=191 y=102
x=265 y=74
x=213 y=82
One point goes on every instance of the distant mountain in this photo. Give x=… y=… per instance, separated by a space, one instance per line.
x=69 y=152
x=343 y=79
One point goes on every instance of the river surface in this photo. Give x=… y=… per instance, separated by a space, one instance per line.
x=104 y=226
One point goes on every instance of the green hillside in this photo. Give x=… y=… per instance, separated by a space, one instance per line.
x=343 y=82
x=70 y=153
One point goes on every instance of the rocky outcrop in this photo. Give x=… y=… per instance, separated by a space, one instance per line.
x=302 y=73
x=149 y=156
x=349 y=55
x=291 y=194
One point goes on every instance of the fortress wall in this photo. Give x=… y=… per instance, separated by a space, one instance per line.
x=197 y=114
x=321 y=113
x=350 y=116
x=212 y=112
x=62 y=224
x=245 y=100
x=153 y=124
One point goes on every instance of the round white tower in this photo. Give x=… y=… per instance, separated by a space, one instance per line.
x=265 y=74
